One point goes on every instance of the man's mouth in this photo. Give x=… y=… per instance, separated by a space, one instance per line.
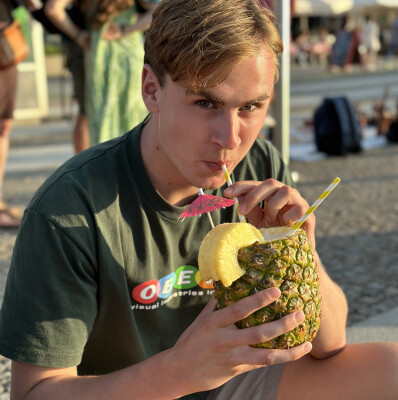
x=217 y=165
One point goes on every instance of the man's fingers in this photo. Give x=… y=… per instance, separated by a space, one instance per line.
x=276 y=196
x=264 y=357
x=211 y=306
x=288 y=200
x=254 y=192
x=283 y=205
x=246 y=306
x=264 y=332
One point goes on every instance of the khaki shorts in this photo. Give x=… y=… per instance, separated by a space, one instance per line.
x=259 y=384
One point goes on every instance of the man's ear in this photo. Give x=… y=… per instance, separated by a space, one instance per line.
x=149 y=88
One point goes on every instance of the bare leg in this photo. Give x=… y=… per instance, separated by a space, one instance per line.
x=81 y=136
x=5 y=129
x=361 y=371
x=6 y=219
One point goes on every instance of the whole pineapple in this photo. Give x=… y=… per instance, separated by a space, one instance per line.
x=243 y=260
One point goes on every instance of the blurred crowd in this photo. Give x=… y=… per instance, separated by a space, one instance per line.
x=103 y=44
x=351 y=42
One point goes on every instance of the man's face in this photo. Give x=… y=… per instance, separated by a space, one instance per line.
x=198 y=132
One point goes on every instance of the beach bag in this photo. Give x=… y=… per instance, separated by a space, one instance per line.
x=337 y=127
x=13 y=46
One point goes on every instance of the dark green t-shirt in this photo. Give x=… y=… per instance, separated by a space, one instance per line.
x=104 y=273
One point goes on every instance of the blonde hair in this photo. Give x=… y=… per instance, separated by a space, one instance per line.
x=106 y=8
x=202 y=40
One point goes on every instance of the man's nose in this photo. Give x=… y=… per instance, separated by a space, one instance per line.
x=226 y=133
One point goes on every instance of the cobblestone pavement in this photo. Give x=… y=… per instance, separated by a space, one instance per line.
x=357 y=228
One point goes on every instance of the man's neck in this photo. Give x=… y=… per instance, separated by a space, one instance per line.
x=159 y=174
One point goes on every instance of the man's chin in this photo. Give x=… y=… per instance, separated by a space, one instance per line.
x=213 y=184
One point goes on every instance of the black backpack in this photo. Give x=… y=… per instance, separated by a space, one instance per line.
x=392 y=134
x=337 y=128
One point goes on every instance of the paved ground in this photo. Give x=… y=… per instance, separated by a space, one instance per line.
x=357 y=226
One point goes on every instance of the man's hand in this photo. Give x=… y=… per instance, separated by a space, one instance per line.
x=281 y=204
x=213 y=350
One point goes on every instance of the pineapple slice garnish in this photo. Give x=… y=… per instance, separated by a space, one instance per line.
x=218 y=252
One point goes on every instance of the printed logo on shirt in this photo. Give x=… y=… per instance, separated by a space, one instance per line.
x=185 y=281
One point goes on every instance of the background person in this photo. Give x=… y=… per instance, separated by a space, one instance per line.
x=369 y=43
x=8 y=91
x=393 y=46
x=74 y=57
x=114 y=62
x=345 y=48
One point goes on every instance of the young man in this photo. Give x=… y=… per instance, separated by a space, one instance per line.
x=103 y=299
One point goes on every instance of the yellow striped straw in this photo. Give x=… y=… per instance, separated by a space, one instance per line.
x=314 y=206
x=229 y=183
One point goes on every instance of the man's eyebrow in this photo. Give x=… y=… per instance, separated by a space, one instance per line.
x=205 y=94
x=258 y=99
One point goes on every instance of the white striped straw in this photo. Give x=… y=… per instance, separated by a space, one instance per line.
x=314 y=206
x=200 y=191
x=229 y=183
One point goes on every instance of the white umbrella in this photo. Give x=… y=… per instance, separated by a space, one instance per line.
x=323 y=7
x=373 y=3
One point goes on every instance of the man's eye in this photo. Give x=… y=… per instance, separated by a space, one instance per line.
x=205 y=104
x=248 y=107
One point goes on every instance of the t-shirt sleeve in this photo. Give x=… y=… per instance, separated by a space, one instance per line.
x=263 y=162
x=280 y=170
x=50 y=301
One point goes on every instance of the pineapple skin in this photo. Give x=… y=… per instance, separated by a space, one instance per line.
x=288 y=264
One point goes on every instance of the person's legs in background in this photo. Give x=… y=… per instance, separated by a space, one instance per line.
x=75 y=64
x=81 y=135
x=8 y=85
x=7 y=219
